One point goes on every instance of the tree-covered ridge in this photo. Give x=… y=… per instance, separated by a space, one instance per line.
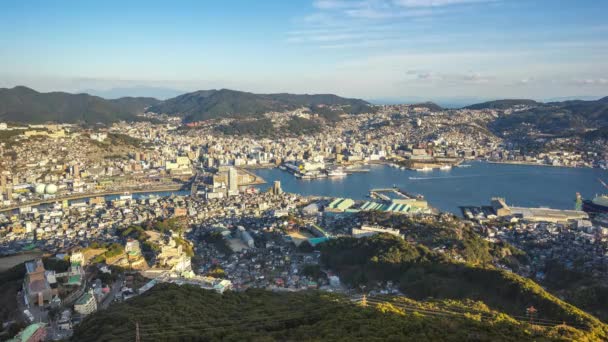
x=173 y=313
x=453 y=237
x=421 y=273
x=258 y=127
x=553 y=118
x=25 y=105
x=265 y=128
x=226 y=103
x=430 y=106
x=503 y=104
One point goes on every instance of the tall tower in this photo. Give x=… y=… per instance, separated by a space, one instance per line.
x=9 y=192
x=276 y=188
x=2 y=182
x=233 y=181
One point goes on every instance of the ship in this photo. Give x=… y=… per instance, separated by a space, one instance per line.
x=336 y=173
x=597 y=205
x=445 y=167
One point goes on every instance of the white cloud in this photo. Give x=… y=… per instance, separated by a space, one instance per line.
x=592 y=81
x=362 y=18
x=436 y=3
x=471 y=77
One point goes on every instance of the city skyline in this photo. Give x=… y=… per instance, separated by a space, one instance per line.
x=372 y=49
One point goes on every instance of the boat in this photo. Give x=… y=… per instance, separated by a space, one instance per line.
x=336 y=173
x=597 y=205
x=464 y=165
x=126 y=196
x=425 y=169
x=282 y=168
x=445 y=167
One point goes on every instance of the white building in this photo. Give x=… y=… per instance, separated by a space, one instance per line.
x=86 y=304
x=233 y=181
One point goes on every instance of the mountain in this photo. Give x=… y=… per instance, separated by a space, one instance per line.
x=570 y=98
x=170 y=312
x=565 y=117
x=224 y=103
x=502 y=104
x=135 y=91
x=135 y=105
x=431 y=106
x=25 y=105
x=423 y=273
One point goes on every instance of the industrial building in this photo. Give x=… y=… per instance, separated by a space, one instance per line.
x=366 y=230
x=536 y=214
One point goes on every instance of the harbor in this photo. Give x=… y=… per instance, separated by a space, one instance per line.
x=470 y=184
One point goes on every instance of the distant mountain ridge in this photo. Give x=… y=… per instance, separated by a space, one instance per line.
x=502 y=104
x=24 y=105
x=223 y=103
x=573 y=116
x=431 y=106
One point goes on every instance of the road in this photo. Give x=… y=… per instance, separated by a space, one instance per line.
x=111 y=295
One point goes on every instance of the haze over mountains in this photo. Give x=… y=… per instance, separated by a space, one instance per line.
x=24 y=105
x=211 y=104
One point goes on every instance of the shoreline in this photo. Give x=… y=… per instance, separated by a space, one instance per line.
x=91 y=195
x=537 y=164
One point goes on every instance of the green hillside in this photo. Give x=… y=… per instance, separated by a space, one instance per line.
x=25 y=105
x=226 y=103
x=431 y=106
x=502 y=104
x=173 y=313
x=575 y=116
x=421 y=273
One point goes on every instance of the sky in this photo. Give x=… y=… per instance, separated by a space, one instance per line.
x=372 y=49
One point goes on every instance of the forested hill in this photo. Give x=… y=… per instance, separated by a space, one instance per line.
x=561 y=118
x=431 y=106
x=187 y=313
x=423 y=273
x=225 y=103
x=24 y=105
x=502 y=104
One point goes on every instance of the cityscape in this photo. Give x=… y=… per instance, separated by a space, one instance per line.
x=463 y=207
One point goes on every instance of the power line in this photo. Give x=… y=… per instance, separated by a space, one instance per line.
x=486 y=315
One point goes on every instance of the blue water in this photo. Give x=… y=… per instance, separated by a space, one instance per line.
x=521 y=185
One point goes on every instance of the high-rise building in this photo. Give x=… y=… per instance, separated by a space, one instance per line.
x=276 y=188
x=9 y=192
x=2 y=182
x=233 y=181
x=76 y=171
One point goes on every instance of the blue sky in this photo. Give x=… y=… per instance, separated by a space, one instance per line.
x=401 y=49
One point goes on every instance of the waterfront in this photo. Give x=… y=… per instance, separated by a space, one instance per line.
x=521 y=185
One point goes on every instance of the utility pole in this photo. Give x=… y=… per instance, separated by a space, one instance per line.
x=137 y=338
x=531 y=312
